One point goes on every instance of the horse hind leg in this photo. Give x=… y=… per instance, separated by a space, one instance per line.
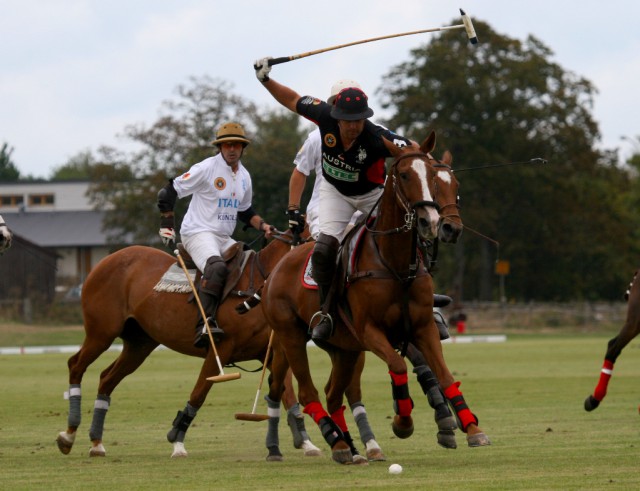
x=134 y=352
x=353 y=393
x=77 y=364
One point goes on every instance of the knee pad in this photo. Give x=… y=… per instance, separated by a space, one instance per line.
x=214 y=275
x=323 y=258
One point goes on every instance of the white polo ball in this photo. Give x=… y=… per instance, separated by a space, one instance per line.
x=395 y=469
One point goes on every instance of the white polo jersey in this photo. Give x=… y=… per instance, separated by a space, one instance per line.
x=217 y=195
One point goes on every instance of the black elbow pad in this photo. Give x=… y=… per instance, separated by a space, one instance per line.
x=167 y=198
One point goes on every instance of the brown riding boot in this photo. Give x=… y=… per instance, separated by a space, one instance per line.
x=210 y=305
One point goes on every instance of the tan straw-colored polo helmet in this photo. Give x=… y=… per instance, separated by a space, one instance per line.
x=231 y=132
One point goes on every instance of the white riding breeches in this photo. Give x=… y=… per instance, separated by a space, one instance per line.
x=203 y=245
x=336 y=210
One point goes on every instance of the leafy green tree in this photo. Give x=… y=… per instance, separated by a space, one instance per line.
x=127 y=185
x=78 y=167
x=8 y=170
x=500 y=101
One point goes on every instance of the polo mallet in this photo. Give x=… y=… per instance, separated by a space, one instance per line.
x=217 y=378
x=253 y=416
x=466 y=25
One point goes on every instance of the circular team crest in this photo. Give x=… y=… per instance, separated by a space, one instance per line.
x=330 y=140
x=220 y=183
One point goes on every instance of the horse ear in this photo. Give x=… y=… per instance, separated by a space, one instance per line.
x=429 y=143
x=393 y=149
x=447 y=158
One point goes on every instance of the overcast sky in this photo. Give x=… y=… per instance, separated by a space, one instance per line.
x=74 y=73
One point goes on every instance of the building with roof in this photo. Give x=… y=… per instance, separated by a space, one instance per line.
x=58 y=217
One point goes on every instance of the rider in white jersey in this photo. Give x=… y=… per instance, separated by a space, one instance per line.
x=221 y=192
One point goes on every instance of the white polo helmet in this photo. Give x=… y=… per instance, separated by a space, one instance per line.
x=341 y=85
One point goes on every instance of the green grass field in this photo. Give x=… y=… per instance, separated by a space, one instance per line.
x=527 y=392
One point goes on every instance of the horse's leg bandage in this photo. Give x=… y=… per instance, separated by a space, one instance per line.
x=455 y=397
x=603 y=382
x=402 y=402
x=331 y=432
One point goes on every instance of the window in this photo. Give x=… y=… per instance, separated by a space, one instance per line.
x=11 y=200
x=40 y=199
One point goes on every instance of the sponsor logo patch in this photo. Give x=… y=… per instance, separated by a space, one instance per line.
x=330 y=140
x=220 y=183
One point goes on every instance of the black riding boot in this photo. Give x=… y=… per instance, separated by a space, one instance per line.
x=323 y=263
x=210 y=305
x=323 y=329
x=210 y=291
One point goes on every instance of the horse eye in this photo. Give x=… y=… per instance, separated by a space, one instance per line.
x=457 y=199
x=404 y=176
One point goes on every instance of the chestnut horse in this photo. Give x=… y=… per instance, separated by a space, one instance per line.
x=119 y=300
x=629 y=330
x=387 y=302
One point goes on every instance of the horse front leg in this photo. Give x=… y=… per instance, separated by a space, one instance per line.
x=295 y=349
x=427 y=340
x=343 y=367
x=377 y=342
x=184 y=418
x=431 y=387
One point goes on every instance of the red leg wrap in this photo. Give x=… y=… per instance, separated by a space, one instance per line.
x=338 y=418
x=316 y=411
x=403 y=403
x=605 y=375
x=460 y=406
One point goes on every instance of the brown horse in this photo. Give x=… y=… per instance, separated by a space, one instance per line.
x=629 y=330
x=119 y=300
x=386 y=304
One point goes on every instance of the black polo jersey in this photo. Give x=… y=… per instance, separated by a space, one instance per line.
x=361 y=168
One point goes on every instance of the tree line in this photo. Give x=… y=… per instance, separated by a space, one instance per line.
x=569 y=228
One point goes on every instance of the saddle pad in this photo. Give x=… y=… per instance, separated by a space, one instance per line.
x=307 y=278
x=175 y=281
x=307 y=275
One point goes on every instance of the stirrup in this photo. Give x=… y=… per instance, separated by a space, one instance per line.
x=322 y=317
x=321 y=331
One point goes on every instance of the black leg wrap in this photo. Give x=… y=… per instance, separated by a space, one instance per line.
x=330 y=431
x=349 y=440
x=180 y=425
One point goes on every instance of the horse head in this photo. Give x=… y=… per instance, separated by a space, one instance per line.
x=427 y=189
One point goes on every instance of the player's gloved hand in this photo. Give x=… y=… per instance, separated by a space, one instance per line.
x=296 y=220
x=262 y=69
x=167 y=232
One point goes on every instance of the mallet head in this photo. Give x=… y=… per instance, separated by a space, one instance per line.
x=468 y=26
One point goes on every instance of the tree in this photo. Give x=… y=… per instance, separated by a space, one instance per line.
x=500 y=101
x=127 y=185
x=8 y=171
x=78 y=167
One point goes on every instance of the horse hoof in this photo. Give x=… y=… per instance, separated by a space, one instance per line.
x=402 y=426
x=376 y=455
x=360 y=460
x=590 y=403
x=447 y=439
x=274 y=455
x=342 y=456
x=178 y=450
x=310 y=450
x=478 y=440
x=97 y=451
x=65 y=442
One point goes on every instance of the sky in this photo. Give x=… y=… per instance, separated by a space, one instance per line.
x=75 y=73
